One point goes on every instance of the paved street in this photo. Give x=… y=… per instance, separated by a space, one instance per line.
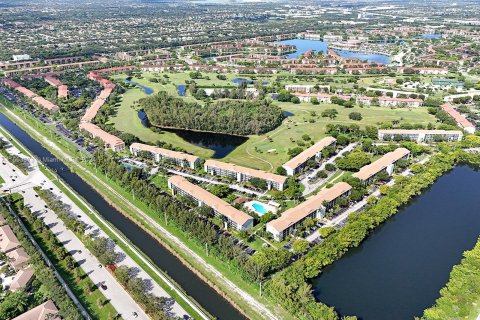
x=309 y=188
x=119 y=298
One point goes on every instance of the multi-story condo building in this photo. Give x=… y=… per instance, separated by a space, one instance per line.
x=111 y=142
x=178 y=158
x=462 y=122
x=243 y=174
x=387 y=163
x=234 y=218
x=296 y=164
x=420 y=135
x=314 y=207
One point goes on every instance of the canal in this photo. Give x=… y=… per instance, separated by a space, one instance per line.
x=191 y=283
x=398 y=270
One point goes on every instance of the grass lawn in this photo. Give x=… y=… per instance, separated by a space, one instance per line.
x=258 y=151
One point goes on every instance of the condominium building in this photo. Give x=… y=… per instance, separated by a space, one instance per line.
x=40 y=101
x=314 y=207
x=46 y=310
x=234 y=218
x=385 y=163
x=306 y=88
x=298 y=163
x=420 y=135
x=178 y=158
x=111 y=142
x=462 y=122
x=8 y=240
x=243 y=174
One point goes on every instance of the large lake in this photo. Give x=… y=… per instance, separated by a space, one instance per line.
x=306 y=45
x=398 y=270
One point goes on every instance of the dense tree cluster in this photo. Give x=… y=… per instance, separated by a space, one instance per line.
x=226 y=116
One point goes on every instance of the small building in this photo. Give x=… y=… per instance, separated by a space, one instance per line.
x=45 y=311
x=298 y=163
x=8 y=240
x=315 y=207
x=243 y=174
x=111 y=142
x=18 y=258
x=385 y=163
x=178 y=158
x=22 y=279
x=234 y=218
x=420 y=135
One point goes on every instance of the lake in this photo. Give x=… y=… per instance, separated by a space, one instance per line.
x=306 y=45
x=147 y=90
x=221 y=144
x=398 y=270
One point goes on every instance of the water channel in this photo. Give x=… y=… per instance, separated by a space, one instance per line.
x=193 y=285
x=398 y=271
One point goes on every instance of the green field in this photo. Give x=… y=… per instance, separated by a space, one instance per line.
x=258 y=151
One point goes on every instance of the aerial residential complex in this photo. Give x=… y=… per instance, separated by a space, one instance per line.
x=420 y=135
x=236 y=219
x=178 y=158
x=296 y=165
x=242 y=174
x=385 y=163
x=314 y=207
x=257 y=142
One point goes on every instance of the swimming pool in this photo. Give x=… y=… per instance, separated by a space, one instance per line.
x=259 y=208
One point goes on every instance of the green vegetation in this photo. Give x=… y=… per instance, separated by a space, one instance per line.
x=46 y=284
x=226 y=116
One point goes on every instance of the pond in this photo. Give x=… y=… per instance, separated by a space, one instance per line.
x=431 y=36
x=398 y=270
x=147 y=90
x=221 y=144
x=182 y=90
x=248 y=81
x=316 y=45
x=143 y=117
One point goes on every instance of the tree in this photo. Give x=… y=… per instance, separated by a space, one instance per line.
x=258 y=183
x=326 y=231
x=330 y=167
x=220 y=190
x=300 y=246
x=123 y=274
x=353 y=161
x=314 y=101
x=357 y=116
x=330 y=113
x=295 y=100
x=281 y=171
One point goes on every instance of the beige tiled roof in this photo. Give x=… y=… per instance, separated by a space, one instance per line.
x=247 y=171
x=18 y=257
x=164 y=152
x=309 y=153
x=22 y=278
x=103 y=135
x=239 y=217
x=373 y=168
x=8 y=240
x=461 y=120
x=411 y=131
x=294 y=215
x=45 y=311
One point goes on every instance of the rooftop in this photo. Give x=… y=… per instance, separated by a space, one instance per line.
x=309 y=153
x=373 y=168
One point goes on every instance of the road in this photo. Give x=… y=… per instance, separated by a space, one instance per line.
x=309 y=188
x=118 y=296
x=212 y=181
x=214 y=273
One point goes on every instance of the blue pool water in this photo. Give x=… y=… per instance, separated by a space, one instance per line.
x=182 y=90
x=147 y=90
x=259 y=209
x=316 y=45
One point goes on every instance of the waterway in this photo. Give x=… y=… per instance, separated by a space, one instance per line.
x=316 y=45
x=191 y=283
x=398 y=270
x=146 y=89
